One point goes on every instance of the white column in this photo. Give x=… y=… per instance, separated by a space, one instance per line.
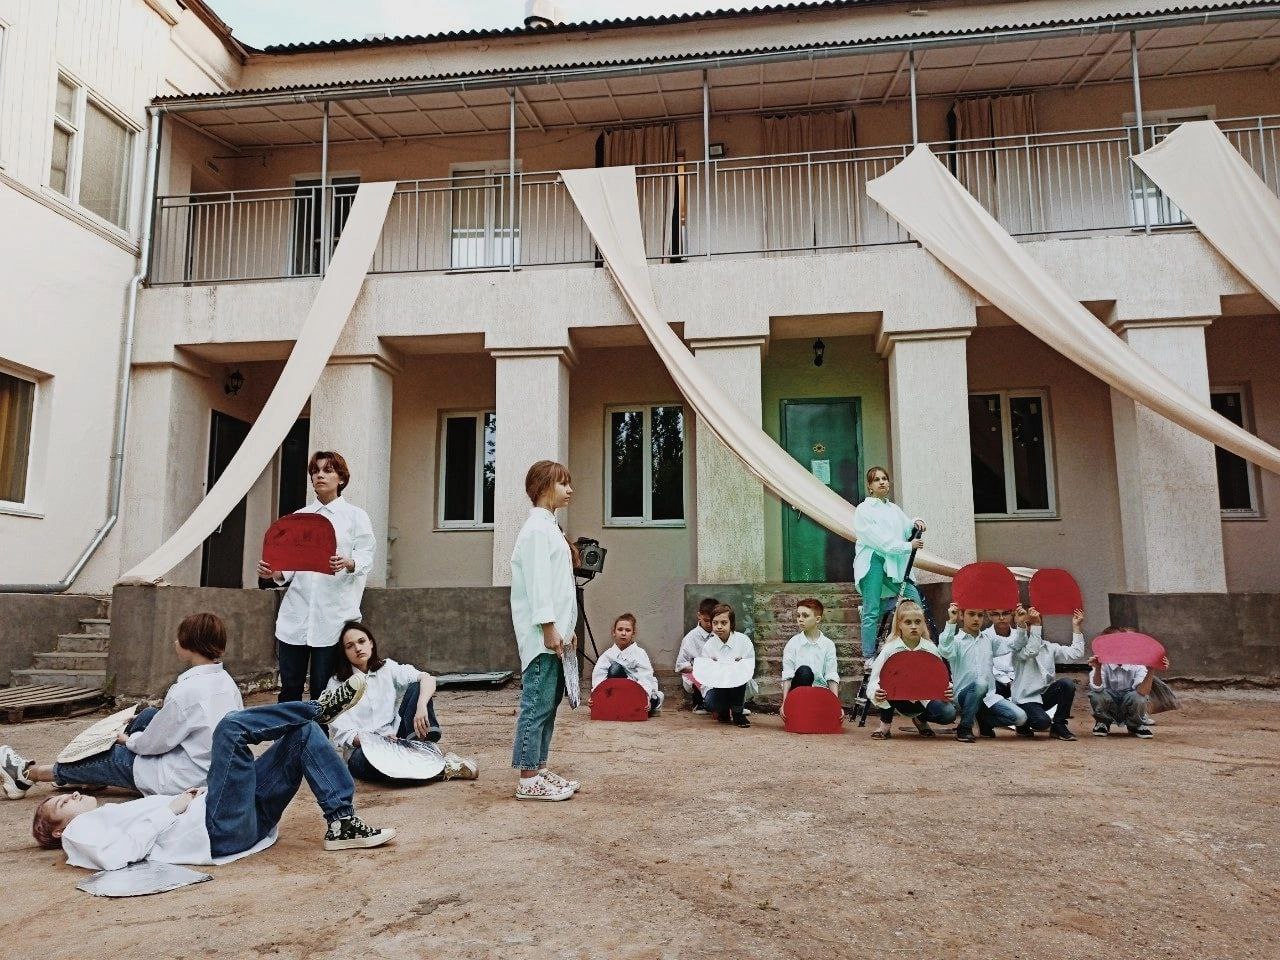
x=531 y=404
x=929 y=417
x=351 y=414
x=730 y=501
x=1168 y=478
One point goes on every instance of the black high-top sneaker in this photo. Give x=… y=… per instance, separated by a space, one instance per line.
x=342 y=697
x=351 y=833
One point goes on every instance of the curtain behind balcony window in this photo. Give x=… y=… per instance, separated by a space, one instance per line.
x=17 y=409
x=1000 y=172
x=652 y=151
x=808 y=185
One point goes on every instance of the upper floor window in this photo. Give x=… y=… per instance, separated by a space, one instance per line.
x=1237 y=478
x=1149 y=203
x=481 y=233
x=17 y=414
x=91 y=157
x=644 y=474
x=468 y=444
x=1012 y=454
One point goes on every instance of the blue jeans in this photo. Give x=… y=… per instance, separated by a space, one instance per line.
x=871 y=586
x=1061 y=694
x=541 y=692
x=302 y=664
x=968 y=701
x=111 y=769
x=1002 y=713
x=247 y=797
x=935 y=711
x=362 y=769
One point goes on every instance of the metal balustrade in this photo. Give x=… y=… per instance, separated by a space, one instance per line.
x=780 y=205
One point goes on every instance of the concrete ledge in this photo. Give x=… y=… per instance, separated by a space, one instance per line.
x=30 y=623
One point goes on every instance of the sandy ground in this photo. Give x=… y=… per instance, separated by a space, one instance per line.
x=693 y=839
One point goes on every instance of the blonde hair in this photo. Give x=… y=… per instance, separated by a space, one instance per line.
x=903 y=606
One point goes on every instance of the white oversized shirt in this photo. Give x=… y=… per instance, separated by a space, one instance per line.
x=1002 y=663
x=891 y=646
x=378 y=710
x=1034 y=664
x=174 y=751
x=1119 y=677
x=881 y=527
x=542 y=585
x=634 y=660
x=316 y=605
x=118 y=834
x=691 y=648
x=818 y=654
x=737 y=647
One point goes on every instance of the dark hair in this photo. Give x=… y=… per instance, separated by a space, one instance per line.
x=872 y=471
x=624 y=616
x=43 y=824
x=203 y=633
x=725 y=608
x=336 y=461
x=813 y=604
x=541 y=476
x=707 y=605
x=342 y=666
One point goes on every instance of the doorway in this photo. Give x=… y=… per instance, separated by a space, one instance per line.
x=825 y=436
x=222 y=560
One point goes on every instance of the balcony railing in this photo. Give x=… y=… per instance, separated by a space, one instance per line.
x=1034 y=185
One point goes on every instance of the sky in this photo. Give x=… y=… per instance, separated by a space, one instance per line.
x=261 y=23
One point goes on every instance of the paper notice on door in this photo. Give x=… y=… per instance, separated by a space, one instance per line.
x=821 y=469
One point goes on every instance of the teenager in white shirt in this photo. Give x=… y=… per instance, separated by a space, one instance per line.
x=809 y=658
x=627 y=660
x=544 y=612
x=691 y=648
x=727 y=644
x=316 y=605
x=239 y=812
x=162 y=751
x=909 y=632
x=886 y=538
x=1036 y=686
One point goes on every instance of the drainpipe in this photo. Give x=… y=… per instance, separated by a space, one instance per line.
x=126 y=367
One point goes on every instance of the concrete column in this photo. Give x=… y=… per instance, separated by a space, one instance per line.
x=351 y=413
x=730 y=501
x=532 y=407
x=929 y=417
x=1168 y=479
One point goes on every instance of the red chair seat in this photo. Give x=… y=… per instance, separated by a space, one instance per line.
x=618 y=698
x=812 y=710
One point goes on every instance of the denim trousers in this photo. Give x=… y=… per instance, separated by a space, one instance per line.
x=301 y=664
x=247 y=797
x=1002 y=713
x=111 y=769
x=935 y=711
x=968 y=700
x=1061 y=694
x=870 y=588
x=362 y=769
x=1111 y=707
x=542 y=689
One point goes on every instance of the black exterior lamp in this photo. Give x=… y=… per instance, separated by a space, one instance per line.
x=233 y=382
x=819 y=352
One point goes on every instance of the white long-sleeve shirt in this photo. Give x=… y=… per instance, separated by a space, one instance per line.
x=971 y=657
x=1034 y=664
x=691 y=648
x=316 y=605
x=818 y=654
x=378 y=709
x=118 y=834
x=894 y=645
x=175 y=750
x=1119 y=677
x=634 y=660
x=542 y=586
x=737 y=647
x=1001 y=663
x=881 y=527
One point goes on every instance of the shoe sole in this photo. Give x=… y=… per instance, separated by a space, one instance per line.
x=362 y=843
x=554 y=797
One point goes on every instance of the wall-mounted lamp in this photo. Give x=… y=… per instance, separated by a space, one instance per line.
x=715 y=150
x=819 y=352
x=232 y=383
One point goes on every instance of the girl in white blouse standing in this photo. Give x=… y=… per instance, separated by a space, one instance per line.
x=544 y=612
x=886 y=538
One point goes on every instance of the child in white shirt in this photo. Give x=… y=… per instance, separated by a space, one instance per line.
x=909 y=632
x=727 y=644
x=970 y=651
x=809 y=658
x=1118 y=694
x=1036 y=686
x=691 y=648
x=626 y=660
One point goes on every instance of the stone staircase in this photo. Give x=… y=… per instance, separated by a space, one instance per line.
x=774 y=623
x=77 y=660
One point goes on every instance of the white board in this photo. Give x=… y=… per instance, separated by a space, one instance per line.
x=723 y=674
x=98 y=738
x=402 y=759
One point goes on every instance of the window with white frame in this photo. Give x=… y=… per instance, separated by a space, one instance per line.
x=644 y=471
x=481 y=233
x=467 y=445
x=91 y=155
x=1237 y=477
x=1011 y=450
x=17 y=416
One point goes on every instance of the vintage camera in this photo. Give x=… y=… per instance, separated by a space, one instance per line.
x=590 y=557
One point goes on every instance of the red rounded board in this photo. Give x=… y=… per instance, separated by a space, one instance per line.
x=914 y=675
x=1055 y=592
x=812 y=710
x=300 y=541
x=984 y=586
x=618 y=698
x=1128 y=648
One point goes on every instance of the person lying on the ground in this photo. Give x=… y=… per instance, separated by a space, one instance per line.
x=1118 y=694
x=398 y=702
x=691 y=648
x=627 y=660
x=239 y=811
x=909 y=632
x=164 y=751
x=1036 y=686
x=970 y=651
x=809 y=658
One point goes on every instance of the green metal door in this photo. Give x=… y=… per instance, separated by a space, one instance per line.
x=825 y=436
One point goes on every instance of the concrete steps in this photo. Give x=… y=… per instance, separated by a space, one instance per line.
x=774 y=615
x=77 y=660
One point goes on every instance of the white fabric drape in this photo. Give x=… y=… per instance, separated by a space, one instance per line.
x=606 y=198
x=1199 y=169
x=652 y=151
x=316 y=340
x=921 y=195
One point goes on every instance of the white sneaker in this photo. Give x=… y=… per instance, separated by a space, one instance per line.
x=540 y=788
x=699 y=711
x=459 y=768
x=12 y=774
x=555 y=779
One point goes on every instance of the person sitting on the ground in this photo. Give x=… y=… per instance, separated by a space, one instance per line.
x=398 y=702
x=162 y=751
x=239 y=811
x=970 y=651
x=809 y=658
x=1036 y=686
x=1118 y=694
x=627 y=660
x=691 y=648
x=726 y=645
x=909 y=632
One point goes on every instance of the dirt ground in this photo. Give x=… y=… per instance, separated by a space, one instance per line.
x=694 y=839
